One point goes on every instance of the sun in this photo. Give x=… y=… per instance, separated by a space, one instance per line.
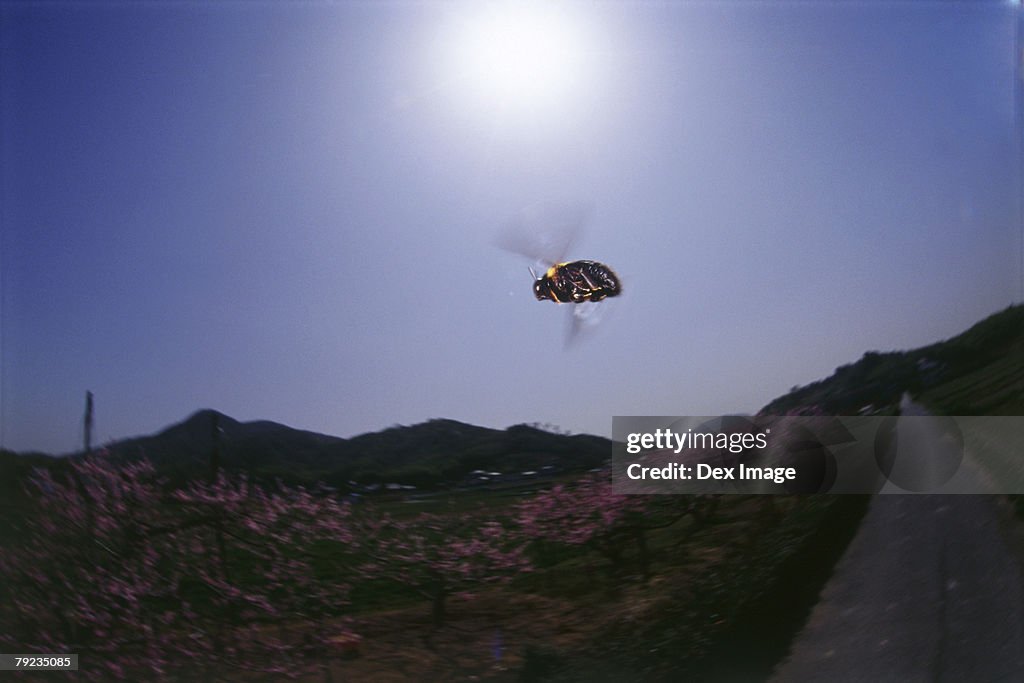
x=518 y=56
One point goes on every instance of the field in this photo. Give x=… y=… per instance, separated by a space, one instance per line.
x=405 y=589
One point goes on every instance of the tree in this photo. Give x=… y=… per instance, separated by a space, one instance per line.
x=590 y=514
x=438 y=555
x=119 y=568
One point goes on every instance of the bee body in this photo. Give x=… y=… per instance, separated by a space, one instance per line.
x=576 y=282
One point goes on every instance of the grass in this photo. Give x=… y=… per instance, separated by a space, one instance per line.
x=729 y=611
x=742 y=583
x=995 y=389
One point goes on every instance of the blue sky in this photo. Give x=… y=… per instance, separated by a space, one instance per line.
x=288 y=212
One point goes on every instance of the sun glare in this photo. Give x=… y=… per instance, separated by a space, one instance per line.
x=518 y=55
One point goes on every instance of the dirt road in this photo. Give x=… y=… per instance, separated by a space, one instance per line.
x=930 y=589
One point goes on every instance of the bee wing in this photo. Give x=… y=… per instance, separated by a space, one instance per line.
x=582 y=319
x=543 y=232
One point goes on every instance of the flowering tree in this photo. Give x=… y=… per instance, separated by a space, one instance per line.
x=258 y=568
x=210 y=577
x=590 y=514
x=438 y=555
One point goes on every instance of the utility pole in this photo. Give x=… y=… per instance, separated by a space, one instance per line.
x=88 y=423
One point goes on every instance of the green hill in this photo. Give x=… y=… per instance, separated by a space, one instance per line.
x=433 y=454
x=978 y=372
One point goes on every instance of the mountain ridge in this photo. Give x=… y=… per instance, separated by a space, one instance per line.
x=978 y=371
x=433 y=453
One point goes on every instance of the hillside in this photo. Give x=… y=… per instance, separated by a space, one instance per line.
x=428 y=455
x=978 y=372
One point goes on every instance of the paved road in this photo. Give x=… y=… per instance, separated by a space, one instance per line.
x=928 y=590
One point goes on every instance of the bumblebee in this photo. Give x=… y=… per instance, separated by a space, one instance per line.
x=576 y=282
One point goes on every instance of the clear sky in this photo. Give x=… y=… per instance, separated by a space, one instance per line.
x=288 y=212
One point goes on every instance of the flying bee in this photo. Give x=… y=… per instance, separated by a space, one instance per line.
x=576 y=282
x=545 y=233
